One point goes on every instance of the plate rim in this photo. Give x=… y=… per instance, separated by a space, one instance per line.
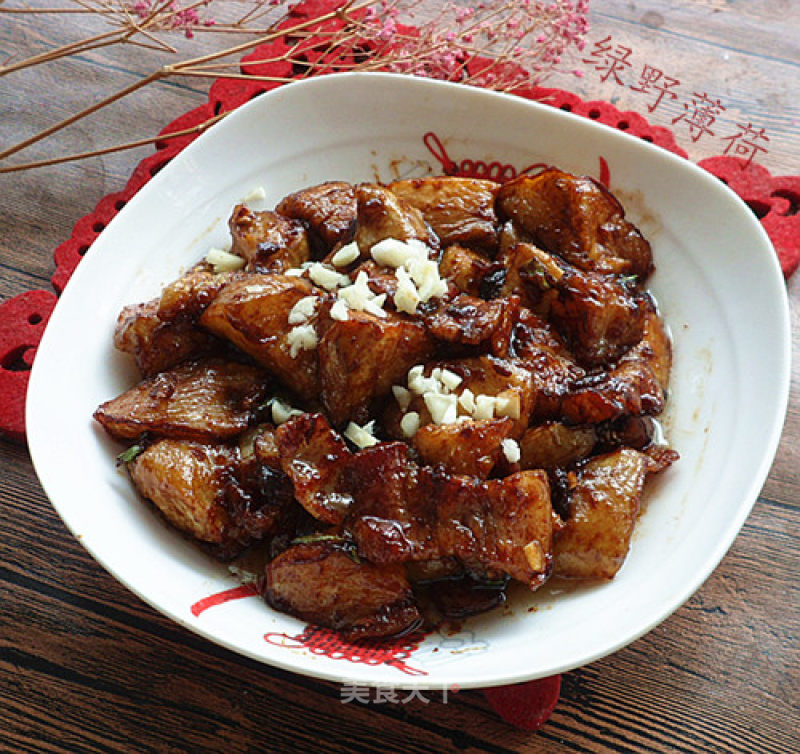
x=36 y=376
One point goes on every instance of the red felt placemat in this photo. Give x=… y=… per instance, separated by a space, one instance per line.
x=774 y=199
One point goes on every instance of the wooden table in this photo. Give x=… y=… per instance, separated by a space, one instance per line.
x=86 y=666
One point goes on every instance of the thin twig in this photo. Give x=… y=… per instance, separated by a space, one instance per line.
x=238 y=76
x=49 y=11
x=118 y=148
x=86 y=111
x=59 y=52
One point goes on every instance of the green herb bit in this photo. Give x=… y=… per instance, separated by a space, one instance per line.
x=352 y=553
x=128 y=455
x=537 y=274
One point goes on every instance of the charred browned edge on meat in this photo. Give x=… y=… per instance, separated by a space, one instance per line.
x=400 y=398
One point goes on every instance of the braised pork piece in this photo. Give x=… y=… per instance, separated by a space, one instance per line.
x=405 y=396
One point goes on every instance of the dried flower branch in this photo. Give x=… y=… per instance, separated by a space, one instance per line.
x=139 y=18
x=506 y=45
x=182 y=68
x=199 y=128
x=501 y=45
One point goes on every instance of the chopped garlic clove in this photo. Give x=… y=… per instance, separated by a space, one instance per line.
x=406 y=297
x=391 y=252
x=297 y=272
x=534 y=554
x=327 y=277
x=339 y=310
x=402 y=396
x=443 y=408
x=303 y=310
x=224 y=261
x=361 y=437
x=375 y=305
x=415 y=372
x=360 y=298
x=511 y=450
x=425 y=274
x=346 y=255
x=282 y=411
x=467 y=401
x=484 y=407
x=301 y=338
x=258 y=194
x=409 y=424
x=507 y=404
x=420 y=385
x=449 y=379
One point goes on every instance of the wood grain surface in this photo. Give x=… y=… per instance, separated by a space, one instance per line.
x=85 y=666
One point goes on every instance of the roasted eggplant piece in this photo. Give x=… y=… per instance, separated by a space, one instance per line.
x=603 y=505
x=600 y=316
x=323 y=584
x=190 y=295
x=528 y=273
x=315 y=458
x=253 y=313
x=467 y=270
x=211 y=493
x=402 y=512
x=260 y=496
x=636 y=386
x=554 y=444
x=655 y=346
x=500 y=526
x=554 y=372
x=268 y=241
x=157 y=345
x=209 y=399
x=164 y=332
x=459 y=210
x=329 y=211
x=578 y=219
x=532 y=334
x=392 y=520
x=186 y=481
x=382 y=215
x=630 y=389
x=470 y=447
x=459 y=598
x=469 y=321
x=360 y=358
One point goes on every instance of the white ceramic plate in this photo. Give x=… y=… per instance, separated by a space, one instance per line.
x=717 y=282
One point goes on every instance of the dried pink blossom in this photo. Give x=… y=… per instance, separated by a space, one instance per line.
x=173 y=15
x=501 y=44
x=517 y=42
